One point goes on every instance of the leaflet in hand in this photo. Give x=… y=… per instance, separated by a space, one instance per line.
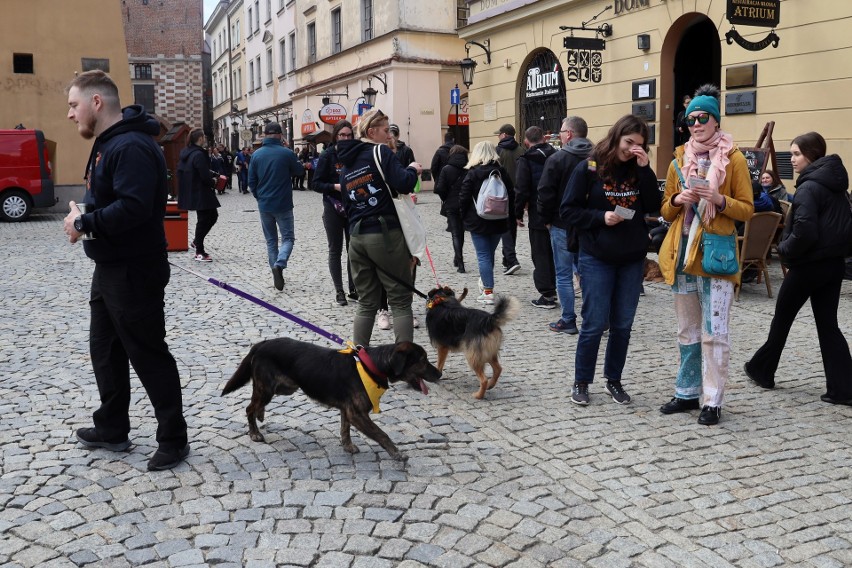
x=698 y=183
x=624 y=212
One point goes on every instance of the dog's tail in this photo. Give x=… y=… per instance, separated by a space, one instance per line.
x=506 y=309
x=242 y=375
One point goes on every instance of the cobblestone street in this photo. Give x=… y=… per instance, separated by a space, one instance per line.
x=520 y=479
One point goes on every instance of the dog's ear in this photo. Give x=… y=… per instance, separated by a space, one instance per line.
x=432 y=292
x=399 y=359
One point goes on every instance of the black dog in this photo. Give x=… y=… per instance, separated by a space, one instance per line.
x=479 y=334
x=283 y=366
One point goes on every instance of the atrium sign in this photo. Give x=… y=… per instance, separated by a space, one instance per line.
x=543 y=82
x=760 y=13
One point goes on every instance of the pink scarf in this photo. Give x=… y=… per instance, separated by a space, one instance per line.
x=719 y=146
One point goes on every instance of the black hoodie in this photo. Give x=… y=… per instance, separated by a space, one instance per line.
x=364 y=193
x=527 y=175
x=449 y=183
x=820 y=224
x=196 y=184
x=126 y=191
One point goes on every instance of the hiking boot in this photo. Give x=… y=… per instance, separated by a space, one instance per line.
x=460 y=268
x=384 y=319
x=167 y=458
x=680 y=405
x=486 y=298
x=618 y=394
x=562 y=326
x=278 y=277
x=580 y=394
x=90 y=438
x=543 y=302
x=710 y=415
x=511 y=269
x=341 y=298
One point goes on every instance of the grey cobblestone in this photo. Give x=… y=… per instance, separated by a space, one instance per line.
x=522 y=478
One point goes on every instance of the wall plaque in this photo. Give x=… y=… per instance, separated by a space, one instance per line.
x=744 y=102
x=648 y=110
x=645 y=89
x=742 y=76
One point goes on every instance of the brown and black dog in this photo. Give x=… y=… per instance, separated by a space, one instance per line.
x=331 y=378
x=477 y=333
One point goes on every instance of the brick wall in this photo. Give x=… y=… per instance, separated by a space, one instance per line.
x=168 y=35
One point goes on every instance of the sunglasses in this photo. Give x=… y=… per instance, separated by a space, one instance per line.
x=702 y=118
x=378 y=117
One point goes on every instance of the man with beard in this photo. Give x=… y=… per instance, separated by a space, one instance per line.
x=125 y=201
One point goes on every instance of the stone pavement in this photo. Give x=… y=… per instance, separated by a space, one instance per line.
x=523 y=478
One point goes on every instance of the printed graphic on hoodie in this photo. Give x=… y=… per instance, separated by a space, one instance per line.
x=625 y=195
x=362 y=188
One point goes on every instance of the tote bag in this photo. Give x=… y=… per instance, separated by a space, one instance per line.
x=409 y=219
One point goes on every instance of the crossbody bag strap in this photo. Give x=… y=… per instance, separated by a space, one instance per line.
x=377 y=158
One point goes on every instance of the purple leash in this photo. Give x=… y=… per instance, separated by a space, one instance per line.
x=267 y=305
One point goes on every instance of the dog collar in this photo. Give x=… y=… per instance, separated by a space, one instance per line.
x=374 y=391
x=434 y=302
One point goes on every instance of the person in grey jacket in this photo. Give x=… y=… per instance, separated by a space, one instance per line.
x=557 y=171
x=813 y=246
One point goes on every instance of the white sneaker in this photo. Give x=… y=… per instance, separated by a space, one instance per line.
x=486 y=299
x=384 y=319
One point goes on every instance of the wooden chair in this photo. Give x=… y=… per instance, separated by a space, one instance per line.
x=758 y=236
x=786 y=208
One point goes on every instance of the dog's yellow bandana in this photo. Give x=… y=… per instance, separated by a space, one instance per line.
x=374 y=391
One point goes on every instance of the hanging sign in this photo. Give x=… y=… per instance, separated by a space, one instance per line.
x=332 y=113
x=761 y=13
x=734 y=36
x=584 y=66
x=308 y=124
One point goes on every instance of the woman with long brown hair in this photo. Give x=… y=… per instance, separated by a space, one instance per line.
x=606 y=201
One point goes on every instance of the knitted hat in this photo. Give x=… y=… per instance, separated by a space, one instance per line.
x=705 y=103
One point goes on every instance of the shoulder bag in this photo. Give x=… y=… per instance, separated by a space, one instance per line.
x=409 y=219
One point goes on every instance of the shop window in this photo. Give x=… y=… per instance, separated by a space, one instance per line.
x=22 y=63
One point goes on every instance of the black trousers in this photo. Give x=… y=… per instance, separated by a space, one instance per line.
x=455 y=226
x=508 y=240
x=544 y=271
x=205 y=219
x=820 y=282
x=128 y=328
x=336 y=230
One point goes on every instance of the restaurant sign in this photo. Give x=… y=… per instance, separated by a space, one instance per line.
x=543 y=82
x=761 y=13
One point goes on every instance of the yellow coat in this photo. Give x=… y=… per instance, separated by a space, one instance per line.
x=739 y=206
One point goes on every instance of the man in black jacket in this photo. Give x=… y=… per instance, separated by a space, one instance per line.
x=509 y=151
x=527 y=175
x=442 y=156
x=557 y=171
x=403 y=152
x=126 y=193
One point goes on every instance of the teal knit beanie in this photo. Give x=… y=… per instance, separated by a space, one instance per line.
x=705 y=103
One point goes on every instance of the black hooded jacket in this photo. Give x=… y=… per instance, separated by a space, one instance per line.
x=449 y=183
x=440 y=159
x=126 y=191
x=364 y=193
x=527 y=175
x=404 y=153
x=554 y=179
x=820 y=224
x=195 y=181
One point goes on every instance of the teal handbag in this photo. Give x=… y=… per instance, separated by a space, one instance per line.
x=720 y=254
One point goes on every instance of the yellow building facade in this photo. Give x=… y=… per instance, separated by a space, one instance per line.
x=642 y=56
x=44 y=43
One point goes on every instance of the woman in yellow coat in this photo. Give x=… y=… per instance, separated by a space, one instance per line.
x=717 y=193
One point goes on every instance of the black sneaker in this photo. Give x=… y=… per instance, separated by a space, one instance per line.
x=167 y=458
x=353 y=296
x=278 y=277
x=618 y=393
x=680 y=405
x=341 y=298
x=710 y=415
x=832 y=400
x=761 y=382
x=580 y=394
x=511 y=269
x=546 y=303
x=90 y=438
x=562 y=326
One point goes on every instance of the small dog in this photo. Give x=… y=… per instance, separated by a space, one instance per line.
x=331 y=378
x=477 y=333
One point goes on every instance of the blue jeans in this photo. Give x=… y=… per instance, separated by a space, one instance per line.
x=485 y=245
x=610 y=297
x=563 y=261
x=284 y=221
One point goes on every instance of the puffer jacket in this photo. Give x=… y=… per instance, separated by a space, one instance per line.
x=821 y=225
x=739 y=206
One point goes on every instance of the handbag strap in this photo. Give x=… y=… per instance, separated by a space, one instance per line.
x=377 y=158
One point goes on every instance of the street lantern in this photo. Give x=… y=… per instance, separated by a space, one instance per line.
x=468 y=66
x=370 y=95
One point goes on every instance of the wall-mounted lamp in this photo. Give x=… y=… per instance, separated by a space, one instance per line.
x=643 y=42
x=370 y=93
x=468 y=65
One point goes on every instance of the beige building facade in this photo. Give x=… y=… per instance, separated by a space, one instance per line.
x=36 y=67
x=651 y=53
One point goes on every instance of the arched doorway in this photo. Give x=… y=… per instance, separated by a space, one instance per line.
x=542 y=89
x=692 y=51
